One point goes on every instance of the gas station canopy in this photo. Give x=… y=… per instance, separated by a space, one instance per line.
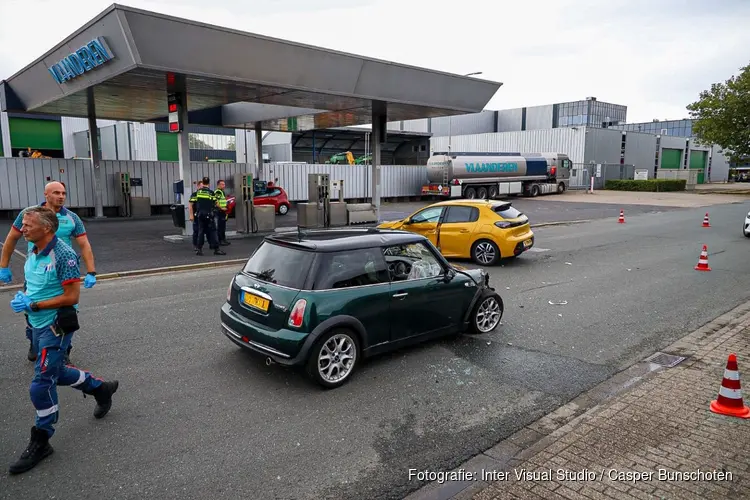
x=125 y=56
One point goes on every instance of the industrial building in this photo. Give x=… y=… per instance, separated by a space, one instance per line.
x=589 y=131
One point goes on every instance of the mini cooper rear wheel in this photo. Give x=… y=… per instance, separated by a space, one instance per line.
x=334 y=358
x=487 y=313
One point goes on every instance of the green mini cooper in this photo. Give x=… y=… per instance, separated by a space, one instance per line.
x=323 y=300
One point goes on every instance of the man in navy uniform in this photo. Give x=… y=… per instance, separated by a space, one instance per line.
x=206 y=204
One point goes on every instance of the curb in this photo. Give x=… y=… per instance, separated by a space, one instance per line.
x=537 y=436
x=152 y=271
x=561 y=223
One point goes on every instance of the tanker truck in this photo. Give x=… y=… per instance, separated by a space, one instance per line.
x=489 y=175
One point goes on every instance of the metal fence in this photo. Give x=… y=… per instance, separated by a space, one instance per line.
x=22 y=180
x=580 y=175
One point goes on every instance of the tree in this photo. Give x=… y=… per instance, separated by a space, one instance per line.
x=722 y=115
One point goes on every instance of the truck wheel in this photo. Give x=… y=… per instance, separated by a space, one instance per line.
x=534 y=191
x=482 y=193
x=493 y=192
x=561 y=188
x=470 y=193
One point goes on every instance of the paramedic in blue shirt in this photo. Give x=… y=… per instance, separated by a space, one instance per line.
x=53 y=287
x=71 y=227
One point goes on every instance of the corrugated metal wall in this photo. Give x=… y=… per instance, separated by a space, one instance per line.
x=278 y=152
x=602 y=145
x=539 y=117
x=5 y=134
x=22 y=180
x=509 y=120
x=640 y=151
x=142 y=141
x=559 y=140
x=395 y=180
x=475 y=123
x=422 y=125
x=70 y=125
x=719 y=166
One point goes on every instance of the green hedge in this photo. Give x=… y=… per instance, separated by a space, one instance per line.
x=653 y=185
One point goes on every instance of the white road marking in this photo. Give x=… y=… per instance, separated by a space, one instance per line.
x=537 y=249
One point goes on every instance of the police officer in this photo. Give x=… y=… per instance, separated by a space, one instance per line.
x=221 y=212
x=193 y=215
x=205 y=203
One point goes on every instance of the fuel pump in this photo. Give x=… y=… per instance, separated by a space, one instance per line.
x=244 y=208
x=126 y=204
x=319 y=194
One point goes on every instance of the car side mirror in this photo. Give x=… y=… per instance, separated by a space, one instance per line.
x=408 y=221
x=449 y=275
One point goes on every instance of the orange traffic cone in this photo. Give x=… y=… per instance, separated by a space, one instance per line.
x=706 y=223
x=621 y=220
x=703 y=260
x=730 y=400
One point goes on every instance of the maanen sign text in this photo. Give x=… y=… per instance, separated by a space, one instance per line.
x=87 y=58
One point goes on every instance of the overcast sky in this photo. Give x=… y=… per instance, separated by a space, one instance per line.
x=653 y=56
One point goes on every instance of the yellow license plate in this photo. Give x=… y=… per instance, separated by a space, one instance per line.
x=255 y=301
x=527 y=243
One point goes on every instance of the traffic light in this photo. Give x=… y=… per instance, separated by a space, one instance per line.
x=175 y=112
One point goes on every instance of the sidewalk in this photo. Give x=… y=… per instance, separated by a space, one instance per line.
x=659 y=425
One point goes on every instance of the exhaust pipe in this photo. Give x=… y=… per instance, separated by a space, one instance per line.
x=269 y=361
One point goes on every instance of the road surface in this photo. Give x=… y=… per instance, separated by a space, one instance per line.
x=195 y=417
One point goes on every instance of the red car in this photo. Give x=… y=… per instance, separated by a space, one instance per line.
x=274 y=195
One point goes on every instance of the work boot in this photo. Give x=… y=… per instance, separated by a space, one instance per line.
x=199 y=251
x=31 y=356
x=103 y=396
x=37 y=450
x=219 y=251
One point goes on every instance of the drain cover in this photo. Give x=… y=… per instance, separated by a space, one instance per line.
x=666 y=360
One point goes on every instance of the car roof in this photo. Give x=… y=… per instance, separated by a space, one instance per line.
x=473 y=203
x=334 y=240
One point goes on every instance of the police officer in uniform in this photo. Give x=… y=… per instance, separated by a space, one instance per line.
x=205 y=205
x=193 y=214
x=221 y=213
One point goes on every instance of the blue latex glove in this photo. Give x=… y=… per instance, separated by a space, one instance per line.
x=20 y=303
x=89 y=281
x=5 y=275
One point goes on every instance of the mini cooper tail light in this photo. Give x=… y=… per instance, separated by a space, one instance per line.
x=298 y=313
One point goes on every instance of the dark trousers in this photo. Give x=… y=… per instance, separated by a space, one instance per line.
x=195 y=231
x=221 y=226
x=207 y=229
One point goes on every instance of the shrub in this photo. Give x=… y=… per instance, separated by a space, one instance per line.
x=652 y=185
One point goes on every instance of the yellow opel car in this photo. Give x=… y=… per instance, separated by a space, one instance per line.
x=482 y=230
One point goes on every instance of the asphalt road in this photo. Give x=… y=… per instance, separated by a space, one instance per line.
x=195 y=417
x=127 y=245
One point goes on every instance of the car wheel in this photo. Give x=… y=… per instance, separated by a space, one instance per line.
x=334 y=358
x=470 y=193
x=747 y=235
x=487 y=313
x=283 y=209
x=485 y=253
x=534 y=191
x=494 y=193
x=482 y=193
x=561 y=188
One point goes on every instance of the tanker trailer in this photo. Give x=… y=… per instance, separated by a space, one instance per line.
x=490 y=175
